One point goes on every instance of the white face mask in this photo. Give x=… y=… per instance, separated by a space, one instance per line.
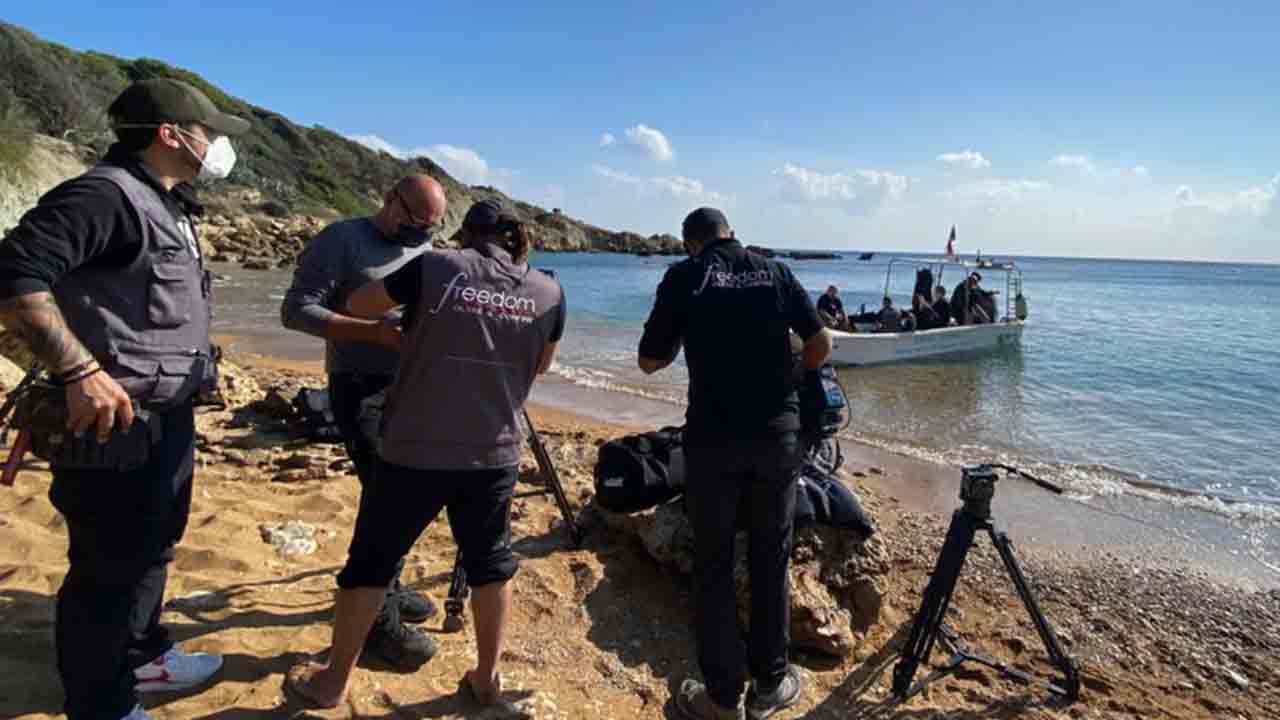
x=218 y=159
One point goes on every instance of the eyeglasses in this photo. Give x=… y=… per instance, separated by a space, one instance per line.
x=414 y=220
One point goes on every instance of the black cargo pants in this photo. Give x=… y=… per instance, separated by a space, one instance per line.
x=122 y=528
x=757 y=478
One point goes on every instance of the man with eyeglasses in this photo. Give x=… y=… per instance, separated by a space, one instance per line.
x=361 y=355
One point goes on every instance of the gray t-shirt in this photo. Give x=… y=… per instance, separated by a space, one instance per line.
x=343 y=257
x=470 y=357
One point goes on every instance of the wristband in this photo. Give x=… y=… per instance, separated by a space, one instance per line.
x=73 y=371
x=71 y=381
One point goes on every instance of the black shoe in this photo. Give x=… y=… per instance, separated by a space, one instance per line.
x=401 y=646
x=761 y=706
x=414 y=606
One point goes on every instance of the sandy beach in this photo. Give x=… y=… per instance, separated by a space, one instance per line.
x=1161 y=627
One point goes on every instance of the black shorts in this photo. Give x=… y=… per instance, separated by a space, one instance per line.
x=399 y=503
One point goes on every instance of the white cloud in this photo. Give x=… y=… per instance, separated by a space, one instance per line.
x=373 y=142
x=675 y=186
x=644 y=140
x=1076 y=162
x=858 y=189
x=997 y=190
x=464 y=164
x=967 y=158
x=1259 y=200
x=1141 y=171
x=1255 y=201
x=652 y=141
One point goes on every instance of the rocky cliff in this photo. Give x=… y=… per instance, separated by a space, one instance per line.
x=290 y=181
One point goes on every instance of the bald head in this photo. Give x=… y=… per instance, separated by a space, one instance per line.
x=416 y=201
x=425 y=197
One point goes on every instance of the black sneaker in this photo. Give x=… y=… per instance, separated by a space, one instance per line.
x=414 y=606
x=785 y=695
x=401 y=646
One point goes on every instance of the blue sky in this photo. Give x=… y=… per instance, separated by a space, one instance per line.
x=1138 y=129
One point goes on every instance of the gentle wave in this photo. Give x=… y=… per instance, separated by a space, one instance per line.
x=1081 y=482
x=603 y=380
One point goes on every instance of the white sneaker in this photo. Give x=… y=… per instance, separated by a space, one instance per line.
x=176 y=670
x=137 y=713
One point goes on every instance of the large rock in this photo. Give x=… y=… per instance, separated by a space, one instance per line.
x=838 y=583
x=236 y=386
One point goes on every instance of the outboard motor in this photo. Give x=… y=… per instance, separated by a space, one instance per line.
x=1020 y=307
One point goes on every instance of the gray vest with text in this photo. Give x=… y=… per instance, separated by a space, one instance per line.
x=468 y=361
x=148 y=322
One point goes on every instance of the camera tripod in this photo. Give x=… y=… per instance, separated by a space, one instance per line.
x=453 y=604
x=977 y=488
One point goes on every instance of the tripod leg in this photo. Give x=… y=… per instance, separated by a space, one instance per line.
x=933 y=607
x=453 y=605
x=548 y=470
x=1070 y=674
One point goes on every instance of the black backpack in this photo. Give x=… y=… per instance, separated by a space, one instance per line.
x=315 y=415
x=638 y=472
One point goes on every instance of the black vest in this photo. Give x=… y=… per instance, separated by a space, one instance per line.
x=148 y=322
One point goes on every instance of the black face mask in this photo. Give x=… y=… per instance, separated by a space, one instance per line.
x=410 y=236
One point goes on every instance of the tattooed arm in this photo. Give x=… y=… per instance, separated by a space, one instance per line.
x=94 y=400
x=81 y=221
x=36 y=319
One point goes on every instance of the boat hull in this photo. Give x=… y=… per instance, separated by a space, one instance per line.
x=880 y=348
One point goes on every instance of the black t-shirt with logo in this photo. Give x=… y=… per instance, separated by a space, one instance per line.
x=732 y=311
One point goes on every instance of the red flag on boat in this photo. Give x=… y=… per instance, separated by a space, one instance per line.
x=951 y=243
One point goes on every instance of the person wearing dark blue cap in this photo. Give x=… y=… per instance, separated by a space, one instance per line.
x=733 y=313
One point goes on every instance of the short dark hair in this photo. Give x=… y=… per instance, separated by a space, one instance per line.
x=705 y=224
x=136 y=139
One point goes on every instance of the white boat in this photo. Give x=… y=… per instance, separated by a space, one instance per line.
x=874 y=348
x=869 y=347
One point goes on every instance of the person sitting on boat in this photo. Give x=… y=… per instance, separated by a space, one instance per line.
x=889 y=317
x=926 y=318
x=982 y=304
x=941 y=308
x=960 y=302
x=831 y=309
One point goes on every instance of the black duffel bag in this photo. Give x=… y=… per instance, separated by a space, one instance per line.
x=315 y=415
x=638 y=472
x=822 y=499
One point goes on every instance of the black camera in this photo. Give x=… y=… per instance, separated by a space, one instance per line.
x=823 y=404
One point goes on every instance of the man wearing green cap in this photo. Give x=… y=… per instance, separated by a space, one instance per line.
x=104 y=281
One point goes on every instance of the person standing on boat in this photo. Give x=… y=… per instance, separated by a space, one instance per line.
x=733 y=313
x=361 y=355
x=831 y=309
